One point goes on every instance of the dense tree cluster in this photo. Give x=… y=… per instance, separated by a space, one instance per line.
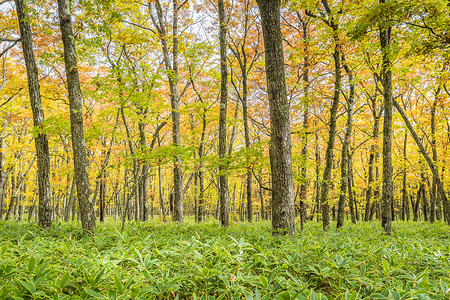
x=238 y=110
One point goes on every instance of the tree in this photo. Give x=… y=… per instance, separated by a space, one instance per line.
x=223 y=178
x=41 y=141
x=280 y=133
x=86 y=205
x=386 y=81
x=331 y=21
x=171 y=63
x=345 y=169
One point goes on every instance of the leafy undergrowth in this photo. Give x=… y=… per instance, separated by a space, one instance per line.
x=191 y=261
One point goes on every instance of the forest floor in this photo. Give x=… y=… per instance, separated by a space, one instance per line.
x=204 y=261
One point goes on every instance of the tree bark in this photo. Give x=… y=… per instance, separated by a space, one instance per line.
x=283 y=215
x=86 y=205
x=144 y=175
x=306 y=84
x=223 y=177
x=433 y=190
x=41 y=141
x=386 y=80
x=405 y=202
x=345 y=149
x=351 y=198
x=332 y=132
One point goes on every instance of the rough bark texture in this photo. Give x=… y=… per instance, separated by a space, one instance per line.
x=386 y=80
x=351 y=198
x=372 y=157
x=283 y=215
x=433 y=190
x=144 y=175
x=306 y=84
x=201 y=178
x=405 y=202
x=41 y=142
x=86 y=205
x=345 y=150
x=223 y=178
x=332 y=135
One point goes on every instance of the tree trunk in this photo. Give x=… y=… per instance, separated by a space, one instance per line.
x=283 y=215
x=3 y=173
x=223 y=177
x=424 y=200
x=12 y=200
x=345 y=148
x=317 y=184
x=404 y=189
x=351 y=198
x=434 y=170
x=332 y=132
x=144 y=175
x=370 y=179
x=306 y=84
x=69 y=203
x=86 y=205
x=41 y=142
x=386 y=80
x=433 y=190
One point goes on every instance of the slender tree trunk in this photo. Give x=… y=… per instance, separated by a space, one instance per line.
x=424 y=199
x=3 y=173
x=69 y=203
x=261 y=198
x=317 y=156
x=417 y=203
x=351 y=198
x=429 y=161
x=282 y=204
x=332 y=132
x=171 y=65
x=161 y=193
x=102 y=200
x=405 y=202
x=86 y=205
x=370 y=179
x=345 y=148
x=144 y=175
x=433 y=190
x=41 y=142
x=306 y=84
x=223 y=178
x=386 y=80
x=12 y=200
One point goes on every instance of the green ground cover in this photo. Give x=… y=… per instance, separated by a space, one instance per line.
x=205 y=261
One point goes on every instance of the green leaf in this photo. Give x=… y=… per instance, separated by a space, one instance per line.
x=118 y=283
x=444 y=287
x=95 y=294
x=62 y=283
x=313 y=295
x=385 y=267
x=263 y=281
x=31 y=264
x=4 y=248
x=284 y=296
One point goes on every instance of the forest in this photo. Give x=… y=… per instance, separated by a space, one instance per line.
x=224 y=149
